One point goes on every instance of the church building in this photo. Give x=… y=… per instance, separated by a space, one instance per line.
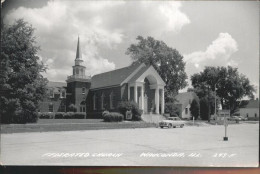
x=137 y=82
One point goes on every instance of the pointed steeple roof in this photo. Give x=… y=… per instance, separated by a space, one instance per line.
x=78 y=53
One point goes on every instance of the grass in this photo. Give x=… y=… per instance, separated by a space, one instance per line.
x=50 y=125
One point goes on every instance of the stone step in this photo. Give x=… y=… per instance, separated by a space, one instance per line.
x=152 y=118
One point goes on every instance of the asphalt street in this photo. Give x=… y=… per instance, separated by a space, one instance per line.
x=188 y=146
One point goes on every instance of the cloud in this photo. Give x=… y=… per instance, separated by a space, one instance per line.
x=100 y=24
x=218 y=53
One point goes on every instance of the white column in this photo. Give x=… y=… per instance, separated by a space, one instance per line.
x=162 y=104
x=142 y=96
x=157 y=100
x=128 y=91
x=135 y=91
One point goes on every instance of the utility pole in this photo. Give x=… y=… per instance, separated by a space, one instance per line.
x=208 y=106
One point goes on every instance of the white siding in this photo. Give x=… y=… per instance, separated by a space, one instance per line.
x=188 y=115
x=250 y=111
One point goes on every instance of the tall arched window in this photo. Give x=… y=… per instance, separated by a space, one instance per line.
x=111 y=99
x=102 y=100
x=94 y=102
x=51 y=107
x=83 y=106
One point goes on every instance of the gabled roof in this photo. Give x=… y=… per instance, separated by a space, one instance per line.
x=113 y=78
x=250 y=104
x=185 y=98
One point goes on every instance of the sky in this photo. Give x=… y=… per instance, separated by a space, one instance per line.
x=206 y=33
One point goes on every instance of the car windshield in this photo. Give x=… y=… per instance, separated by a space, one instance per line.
x=173 y=118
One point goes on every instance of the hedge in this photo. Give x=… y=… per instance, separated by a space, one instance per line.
x=124 y=106
x=113 y=117
x=62 y=115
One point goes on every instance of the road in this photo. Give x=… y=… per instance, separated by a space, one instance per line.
x=188 y=146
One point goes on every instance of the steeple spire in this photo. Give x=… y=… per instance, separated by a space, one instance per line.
x=78 y=53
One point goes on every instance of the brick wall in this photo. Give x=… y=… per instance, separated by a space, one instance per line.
x=117 y=93
x=57 y=103
x=75 y=93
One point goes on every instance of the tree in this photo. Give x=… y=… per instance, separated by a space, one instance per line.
x=21 y=82
x=167 y=61
x=204 y=108
x=231 y=86
x=194 y=108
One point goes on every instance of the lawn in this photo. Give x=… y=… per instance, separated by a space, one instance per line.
x=49 y=125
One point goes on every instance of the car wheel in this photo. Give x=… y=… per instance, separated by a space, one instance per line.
x=182 y=125
x=174 y=126
x=170 y=125
x=161 y=126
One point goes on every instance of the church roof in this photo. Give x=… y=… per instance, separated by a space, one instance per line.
x=185 y=98
x=113 y=78
x=250 y=104
x=140 y=72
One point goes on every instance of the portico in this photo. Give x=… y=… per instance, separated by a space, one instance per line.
x=147 y=90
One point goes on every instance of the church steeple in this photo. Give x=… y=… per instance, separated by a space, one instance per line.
x=78 y=53
x=78 y=68
x=78 y=60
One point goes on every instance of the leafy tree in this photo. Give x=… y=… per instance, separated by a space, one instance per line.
x=173 y=109
x=230 y=85
x=194 y=108
x=21 y=82
x=167 y=61
x=204 y=108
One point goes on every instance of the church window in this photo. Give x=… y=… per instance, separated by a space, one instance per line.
x=83 y=106
x=50 y=107
x=111 y=100
x=63 y=107
x=186 y=110
x=77 y=71
x=102 y=101
x=63 y=94
x=94 y=102
x=51 y=93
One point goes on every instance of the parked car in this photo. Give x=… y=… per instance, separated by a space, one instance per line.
x=235 y=118
x=243 y=118
x=172 y=122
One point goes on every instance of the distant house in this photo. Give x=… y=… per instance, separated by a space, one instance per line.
x=138 y=82
x=249 y=108
x=184 y=102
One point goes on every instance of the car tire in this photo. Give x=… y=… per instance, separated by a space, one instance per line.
x=170 y=125
x=181 y=125
x=174 y=126
x=161 y=126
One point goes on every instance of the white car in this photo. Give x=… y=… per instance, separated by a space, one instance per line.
x=172 y=122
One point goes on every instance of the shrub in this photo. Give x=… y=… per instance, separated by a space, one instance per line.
x=24 y=117
x=68 y=115
x=72 y=108
x=62 y=115
x=113 y=117
x=124 y=106
x=79 y=115
x=59 y=115
x=105 y=113
x=46 y=115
